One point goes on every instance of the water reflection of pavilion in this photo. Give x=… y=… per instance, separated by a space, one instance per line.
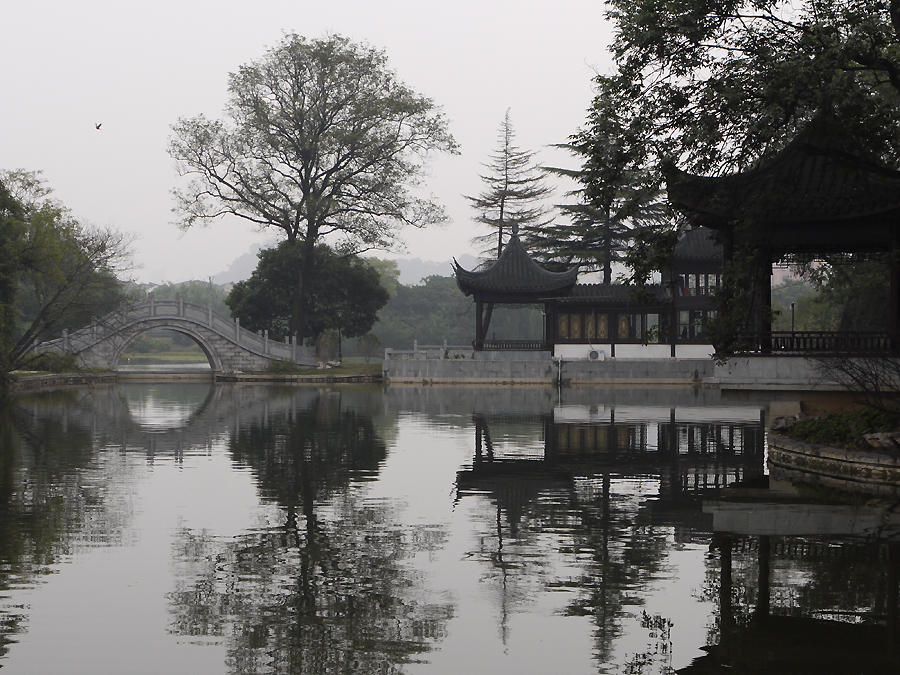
x=804 y=586
x=613 y=482
x=691 y=451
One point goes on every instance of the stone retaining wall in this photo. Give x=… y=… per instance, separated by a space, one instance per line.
x=35 y=382
x=547 y=372
x=762 y=373
x=876 y=473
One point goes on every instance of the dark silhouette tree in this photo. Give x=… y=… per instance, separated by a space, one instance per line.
x=65 y=272
x=345 y=293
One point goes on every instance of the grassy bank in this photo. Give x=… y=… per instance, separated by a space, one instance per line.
x=844 y=430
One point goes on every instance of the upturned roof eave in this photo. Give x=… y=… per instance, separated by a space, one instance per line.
x=515 y=272
x=815 y=179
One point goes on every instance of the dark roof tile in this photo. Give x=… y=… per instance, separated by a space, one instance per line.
x=515 y=273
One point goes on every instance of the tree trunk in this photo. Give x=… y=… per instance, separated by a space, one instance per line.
x=298 y=327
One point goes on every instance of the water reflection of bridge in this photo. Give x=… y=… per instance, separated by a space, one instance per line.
x=210 y=413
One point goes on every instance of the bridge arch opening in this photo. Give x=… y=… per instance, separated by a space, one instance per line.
x=170 y=348
x=163 y=408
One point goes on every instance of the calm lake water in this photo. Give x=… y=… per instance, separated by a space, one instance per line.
x=196 y=528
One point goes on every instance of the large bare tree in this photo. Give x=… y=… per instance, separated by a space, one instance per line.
x=320 y=141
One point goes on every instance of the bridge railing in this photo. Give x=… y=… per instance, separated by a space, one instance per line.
x=80 y=340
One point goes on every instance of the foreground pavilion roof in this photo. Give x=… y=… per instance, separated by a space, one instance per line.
x=818 y=192
x=514 y=275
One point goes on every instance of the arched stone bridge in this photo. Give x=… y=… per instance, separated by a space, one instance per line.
x=228 y=347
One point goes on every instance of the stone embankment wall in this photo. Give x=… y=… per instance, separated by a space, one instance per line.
x=876 y=473
x=34 y=382
x=760 y=373
x=547 y=371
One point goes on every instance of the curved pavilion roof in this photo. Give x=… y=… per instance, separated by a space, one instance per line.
x=818 y=192
x=514 y=276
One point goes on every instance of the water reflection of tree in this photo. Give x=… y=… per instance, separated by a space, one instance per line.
x=571 y=509
x=622 y=551
x=791 y=601
x=48 y=490
x=327 y=590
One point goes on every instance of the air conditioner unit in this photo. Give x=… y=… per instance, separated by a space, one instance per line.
x=593 y=355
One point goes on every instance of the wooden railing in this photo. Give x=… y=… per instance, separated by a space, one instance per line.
x=814 y=342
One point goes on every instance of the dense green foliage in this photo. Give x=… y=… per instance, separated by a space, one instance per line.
x=859 y=294
x=321 y=140
x=436 y=310
x=846 y=297
x=198 y=292
x=809 y=312
x=11 y=230
x=844 y=430
x=715 y=86
x=602 y=230
x=344 y=293
x=56 y=272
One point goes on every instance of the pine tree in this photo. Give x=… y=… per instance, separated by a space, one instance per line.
x=614 y=204
x=511 y=202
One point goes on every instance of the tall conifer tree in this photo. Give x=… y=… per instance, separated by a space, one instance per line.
x=512 y=201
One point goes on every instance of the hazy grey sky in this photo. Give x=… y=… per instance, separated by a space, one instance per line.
x=136 y=67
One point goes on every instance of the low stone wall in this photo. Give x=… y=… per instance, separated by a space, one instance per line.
x=876 y=473
x=36 y=382
x=769 y=372
x=638 y=371
x=684 y=372
x=468 y=371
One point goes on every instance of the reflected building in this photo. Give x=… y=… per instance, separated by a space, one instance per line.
x=691 y=451
x=611 y=484
x=804 y=585
x=800 y=585
x=574 y=506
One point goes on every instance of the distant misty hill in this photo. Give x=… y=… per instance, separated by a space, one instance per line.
x=412 y=270
x=240 y=268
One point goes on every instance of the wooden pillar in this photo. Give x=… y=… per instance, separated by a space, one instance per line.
x=613 y=332
x=478 y=328
x=673 y=321
x=764 y=276
x=894 y=319
x=727 y=271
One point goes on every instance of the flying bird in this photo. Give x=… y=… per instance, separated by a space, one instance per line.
x=98 y=125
